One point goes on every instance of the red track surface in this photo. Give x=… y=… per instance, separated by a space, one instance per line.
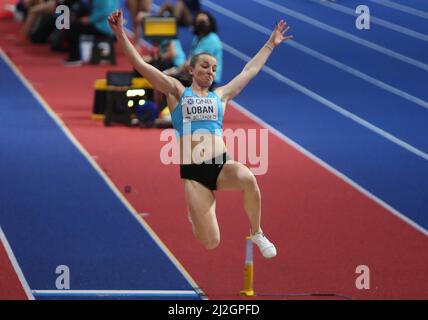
x=323 y=228
x=10 y=286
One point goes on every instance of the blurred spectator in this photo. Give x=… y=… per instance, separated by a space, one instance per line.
x=18 y=10
x=78 y=8
x=34 y=11
x=95 y=24
x=168 y=53
x=184 y=11
x=138 y=10
x=206 y=40
x=39 y=16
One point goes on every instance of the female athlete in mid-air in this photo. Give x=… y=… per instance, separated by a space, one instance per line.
x=213 y=170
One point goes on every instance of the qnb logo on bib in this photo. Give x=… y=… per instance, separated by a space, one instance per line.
x=197 y=109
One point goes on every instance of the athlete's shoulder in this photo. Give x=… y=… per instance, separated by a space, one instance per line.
x=187 y=92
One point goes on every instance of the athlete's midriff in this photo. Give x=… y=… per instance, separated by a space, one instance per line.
x=200 y=147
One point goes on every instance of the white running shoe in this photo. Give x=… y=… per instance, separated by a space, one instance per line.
x=266 y=247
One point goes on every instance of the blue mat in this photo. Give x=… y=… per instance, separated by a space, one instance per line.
x=55 y=209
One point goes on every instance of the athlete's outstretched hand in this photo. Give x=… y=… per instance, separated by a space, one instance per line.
x=279 y=33
x=116 y=21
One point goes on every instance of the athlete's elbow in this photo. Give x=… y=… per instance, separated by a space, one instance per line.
x=250 y=72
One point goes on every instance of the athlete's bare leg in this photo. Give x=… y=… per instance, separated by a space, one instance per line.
x=201 y=203
x=236 y=177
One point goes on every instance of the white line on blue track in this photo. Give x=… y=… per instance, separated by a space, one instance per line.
x=321 y=56
x=330 y=104
x=341 y=33
x=375 y=20
x=402 y=8
x=330 y=168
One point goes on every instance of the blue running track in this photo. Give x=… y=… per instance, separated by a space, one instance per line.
x=50 y=191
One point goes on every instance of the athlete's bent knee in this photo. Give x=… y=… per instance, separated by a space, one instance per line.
x=249 y=183
x=211 y=244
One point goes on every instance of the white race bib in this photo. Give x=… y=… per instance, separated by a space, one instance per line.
x=197 y=109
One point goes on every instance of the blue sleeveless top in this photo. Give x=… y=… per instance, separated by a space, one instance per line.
x=198 y=113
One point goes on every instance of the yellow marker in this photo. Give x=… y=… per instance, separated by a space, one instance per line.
x=101 y=84
x=248 y=270
x=138 y=83
x=95 y=116
x=156 y=26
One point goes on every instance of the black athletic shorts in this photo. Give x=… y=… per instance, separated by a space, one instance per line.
x=205 y=173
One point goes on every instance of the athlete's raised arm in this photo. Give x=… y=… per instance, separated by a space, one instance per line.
x=252 y=68
x=159 y=80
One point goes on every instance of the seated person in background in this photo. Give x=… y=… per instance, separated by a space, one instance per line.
x=138 y=9
x=19 y=10
x=184 y=11
x=165 y=55
x=35 y=9
x=168 y=53
x=95 y=24
x=78 y=8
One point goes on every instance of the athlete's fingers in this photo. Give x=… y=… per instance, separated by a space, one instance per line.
x=285 y=30
x=287 y=38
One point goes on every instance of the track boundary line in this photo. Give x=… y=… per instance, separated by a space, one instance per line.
x=15 y=264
